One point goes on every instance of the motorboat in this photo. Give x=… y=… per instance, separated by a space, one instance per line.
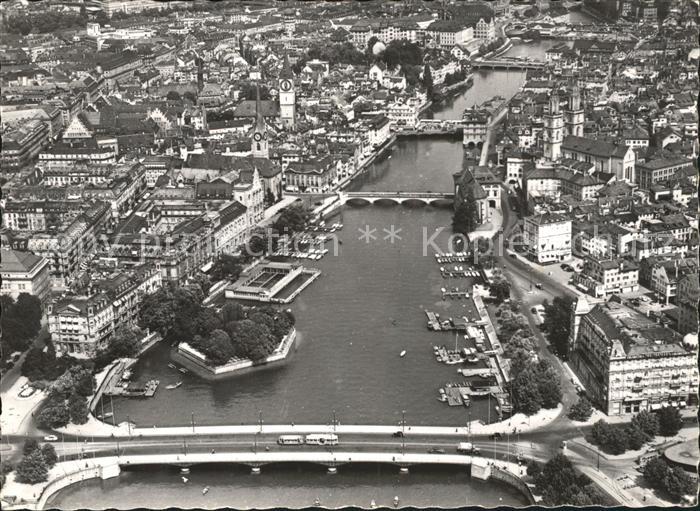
x=402 y=354
x=183 y=370
x=173 y=386
x=205 y=490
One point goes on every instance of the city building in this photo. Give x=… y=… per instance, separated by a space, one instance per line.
x=687 y=300
x=287 y=95
x=660 y=170
x=478 y=184
x=604 y=277
x=23 y=272
x=553 y=129
x=627 y=362
x=608 y=157
x=548 y=237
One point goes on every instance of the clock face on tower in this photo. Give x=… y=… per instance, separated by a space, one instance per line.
x=286 y=85
x=257 y=137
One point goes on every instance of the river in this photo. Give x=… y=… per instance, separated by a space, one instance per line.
x=288 y=486
x=353 y=322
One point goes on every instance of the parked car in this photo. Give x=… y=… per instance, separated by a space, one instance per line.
x=538 y=285
x=435 y=450
x=397 y=434
x=496 y=436
x=566 y=267
x=50 y=438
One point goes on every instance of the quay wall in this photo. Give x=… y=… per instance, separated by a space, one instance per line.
x=193 y=361
x=513 y=480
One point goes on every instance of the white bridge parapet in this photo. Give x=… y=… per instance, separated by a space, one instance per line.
x=397 y=197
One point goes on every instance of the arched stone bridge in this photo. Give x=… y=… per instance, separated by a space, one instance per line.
x=431 y=198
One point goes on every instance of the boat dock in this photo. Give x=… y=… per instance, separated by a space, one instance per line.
x=454 y=294
x=126 y=389
x=433 y=321
x=450 y=257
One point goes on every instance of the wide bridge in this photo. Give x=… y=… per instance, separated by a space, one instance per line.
x=507 y=64
x=433 y=198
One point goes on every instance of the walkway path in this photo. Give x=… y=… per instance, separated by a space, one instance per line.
x=96 y=428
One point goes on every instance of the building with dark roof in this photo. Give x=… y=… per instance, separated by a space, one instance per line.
x=24 y=272
x=628 y=362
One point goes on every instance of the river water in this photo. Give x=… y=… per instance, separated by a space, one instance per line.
x=352 y=323
x=288 y=486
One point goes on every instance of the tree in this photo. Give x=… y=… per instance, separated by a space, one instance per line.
x=500 y=289
x=49 y=454
x=636 y=438
x=232 y=312
x=190 y=96
x=581 y=411
x=557 y=318
x=292 y=219
x=32 y=469
x=172 y=311
x=125 y=343
x=208 y=321
x=173 y=95
x=55 y=415
x=679 y=483
x=252 y=341
x=670 y=421
x=217 y=348
x=370 y=46
x=648 y=422
x=526 y=394
x=548 y=384
x=655 y=471
x=226 y=267
x=78 y=409
x=466 y=216
x=30 y=445
x=428 y=80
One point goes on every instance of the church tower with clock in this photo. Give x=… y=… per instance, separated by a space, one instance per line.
x=259 y=148
x=287 y=95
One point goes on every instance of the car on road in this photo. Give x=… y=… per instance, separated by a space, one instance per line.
x=538 y=285
x=397 y=434
x=566 y=267
x=496 y=436
x=50 y=438
x=436 y=450
x=513 y=255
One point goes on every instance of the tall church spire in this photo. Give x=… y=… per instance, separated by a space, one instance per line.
x=259 y=148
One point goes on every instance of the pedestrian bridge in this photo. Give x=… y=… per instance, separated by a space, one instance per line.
x=432 y=198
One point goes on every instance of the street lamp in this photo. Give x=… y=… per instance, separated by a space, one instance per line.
x=192 y=417
x=403 y=432
x=128 y=424
x=335 y=422
x=260 y=420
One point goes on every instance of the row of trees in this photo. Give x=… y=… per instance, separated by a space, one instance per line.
x=36 y=462
x=674 y=481
x=21 y=321
x=68 y=399
x=534 y=384
x=559 y=484
x=43 y=23
x=557 y=323
x=618 y=438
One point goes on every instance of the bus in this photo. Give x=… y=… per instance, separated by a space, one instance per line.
x=322 y=439
x=290 y=440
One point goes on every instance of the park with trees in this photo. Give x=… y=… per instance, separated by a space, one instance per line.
x=558 y=482
x=21 y=322
x=178 y=315
x=644 y=427
x=673 y=482
x=36 y=462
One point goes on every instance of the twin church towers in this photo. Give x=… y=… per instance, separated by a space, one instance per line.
x=558 y=123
